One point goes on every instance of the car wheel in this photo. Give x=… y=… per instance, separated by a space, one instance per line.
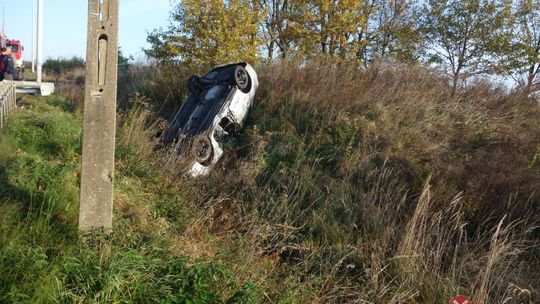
x=202 y=150
x=242 y=79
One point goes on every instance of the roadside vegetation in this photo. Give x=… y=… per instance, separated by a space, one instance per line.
x=377 y=185
x=41 y=254
x=347 y=185
x=380 y=166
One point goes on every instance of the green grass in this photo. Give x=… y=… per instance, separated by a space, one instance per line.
x=42 y=259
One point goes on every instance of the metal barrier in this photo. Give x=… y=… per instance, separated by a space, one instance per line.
x=8 y=99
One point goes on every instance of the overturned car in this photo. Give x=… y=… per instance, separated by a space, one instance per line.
x=217 y=106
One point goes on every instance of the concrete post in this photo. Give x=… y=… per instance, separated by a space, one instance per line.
x=96 y=197
x=33 y=36
x=39 y=38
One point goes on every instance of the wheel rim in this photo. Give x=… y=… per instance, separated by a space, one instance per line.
x=202 y=150
x=241 y=77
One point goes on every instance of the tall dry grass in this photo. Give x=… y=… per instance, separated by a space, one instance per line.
x=358 y=186
x=331 y=173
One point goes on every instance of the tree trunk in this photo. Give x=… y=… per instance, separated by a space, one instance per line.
x=271 y=51
x=455 y=80
x=531 y=76
x=284 y=52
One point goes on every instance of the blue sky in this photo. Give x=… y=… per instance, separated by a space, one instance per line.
x=65 y=21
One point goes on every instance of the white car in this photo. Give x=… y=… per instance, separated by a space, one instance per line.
x=217 y=106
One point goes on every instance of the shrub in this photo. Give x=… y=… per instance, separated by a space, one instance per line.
x=58 y=66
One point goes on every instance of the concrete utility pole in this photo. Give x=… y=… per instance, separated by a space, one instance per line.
x=39 y=38
x=33 y=35
x=96 y=197
x=3 y=21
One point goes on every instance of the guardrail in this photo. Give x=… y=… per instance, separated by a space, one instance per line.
x=8 y=100
x=32 y=87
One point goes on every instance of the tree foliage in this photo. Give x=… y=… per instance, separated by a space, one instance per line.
x=329 y=27
x=462 y=34
x=392 y=31
x=466 y=37
x=216 y=31
x=522 y=59
x=208 y=32
x=277 y=26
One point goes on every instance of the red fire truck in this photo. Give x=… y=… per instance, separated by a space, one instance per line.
x=17 y=51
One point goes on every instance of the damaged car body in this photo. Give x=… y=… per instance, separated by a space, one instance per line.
x=216 y=108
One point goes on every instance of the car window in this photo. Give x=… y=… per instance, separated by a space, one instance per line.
x=213 y=93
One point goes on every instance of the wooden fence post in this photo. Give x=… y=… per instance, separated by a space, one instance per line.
x=96 y=197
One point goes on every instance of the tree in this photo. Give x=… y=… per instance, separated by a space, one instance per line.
x=463 y=34
x=281 y=25
x=123 y=59
x=330 y=26
x=276 y=25
x=523 y=59
x=392 y=31
x=205 y=33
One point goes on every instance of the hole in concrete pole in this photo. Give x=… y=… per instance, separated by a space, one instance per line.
x=102 y=59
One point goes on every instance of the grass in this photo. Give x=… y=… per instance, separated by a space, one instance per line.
x=42 y=260
x=373 y=186
x=346 y=186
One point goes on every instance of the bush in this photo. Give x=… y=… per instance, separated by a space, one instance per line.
x=59 y=66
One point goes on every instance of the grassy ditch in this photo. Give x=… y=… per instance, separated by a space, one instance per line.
x=346 y=186
x=41 y=257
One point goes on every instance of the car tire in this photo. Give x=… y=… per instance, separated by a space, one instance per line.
x=242 y=79
x=202 y=150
